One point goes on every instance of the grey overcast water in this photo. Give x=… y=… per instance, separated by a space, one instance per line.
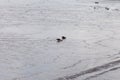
x=31 y=47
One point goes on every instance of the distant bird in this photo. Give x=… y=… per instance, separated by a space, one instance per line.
x=63 y=37
x=96 y=2
x=107 y=8
x=58 y=40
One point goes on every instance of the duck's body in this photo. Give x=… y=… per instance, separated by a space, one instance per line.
x=58 y=40
x=63 y=37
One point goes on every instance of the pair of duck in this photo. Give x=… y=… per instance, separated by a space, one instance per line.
x=59 y=40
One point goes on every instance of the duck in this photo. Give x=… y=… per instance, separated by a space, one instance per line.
x=58 y=40
x=63 y=37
